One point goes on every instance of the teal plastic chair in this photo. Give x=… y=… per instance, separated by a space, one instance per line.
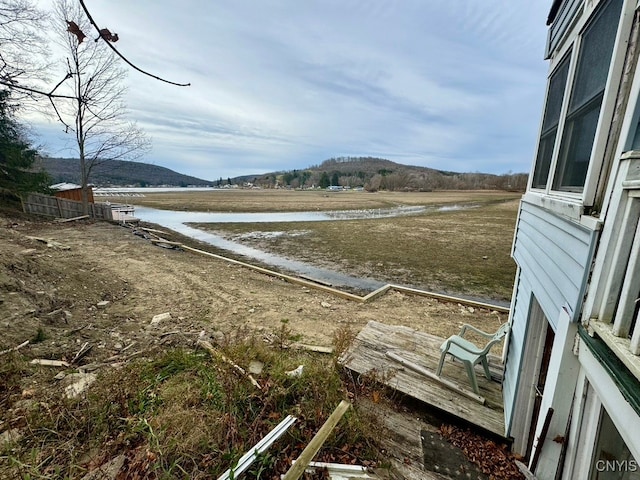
x=468 y=353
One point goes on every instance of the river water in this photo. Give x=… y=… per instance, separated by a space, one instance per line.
x=178 y=222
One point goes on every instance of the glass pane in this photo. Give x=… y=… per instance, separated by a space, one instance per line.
x=586 y=98
x=545 y=152
x=575 y=152
x=595 y=55
x=612 y=458
x=555 y=96
x=557 y=85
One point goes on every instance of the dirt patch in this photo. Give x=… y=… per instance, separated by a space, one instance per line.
x=66 y=285
x=57 y=289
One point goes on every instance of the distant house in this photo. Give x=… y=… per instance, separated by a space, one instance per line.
x=572 y=380
x=71 y=191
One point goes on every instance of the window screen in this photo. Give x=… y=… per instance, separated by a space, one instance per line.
x=555 y=96
x=586 y=98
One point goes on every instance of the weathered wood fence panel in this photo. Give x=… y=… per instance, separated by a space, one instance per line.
x=49 y=206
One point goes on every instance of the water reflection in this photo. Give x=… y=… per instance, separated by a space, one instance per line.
x=177 y=221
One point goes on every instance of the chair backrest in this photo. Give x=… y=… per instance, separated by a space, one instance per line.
x=502 y=331
x=499 y=335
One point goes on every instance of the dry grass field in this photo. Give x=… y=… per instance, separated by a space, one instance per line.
x=305 y=200
x=459 y=251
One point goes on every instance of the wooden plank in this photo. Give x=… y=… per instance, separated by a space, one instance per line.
x=367 y=356
x=423 y=371
x=298 y=468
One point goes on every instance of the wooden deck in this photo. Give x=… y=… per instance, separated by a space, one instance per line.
x=368 y=354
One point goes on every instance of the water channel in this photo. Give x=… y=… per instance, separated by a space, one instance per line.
x=178 y=222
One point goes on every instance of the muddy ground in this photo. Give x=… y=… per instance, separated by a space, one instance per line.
x=54 y=275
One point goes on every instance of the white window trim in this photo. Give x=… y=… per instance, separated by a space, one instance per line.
x=563 y=202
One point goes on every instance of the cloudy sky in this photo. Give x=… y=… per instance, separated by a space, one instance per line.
x=283 y=84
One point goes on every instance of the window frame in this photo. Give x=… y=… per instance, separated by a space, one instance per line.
x=572 y=46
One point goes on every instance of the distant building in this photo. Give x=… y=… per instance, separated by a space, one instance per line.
x=71 y=191
x=572 y=380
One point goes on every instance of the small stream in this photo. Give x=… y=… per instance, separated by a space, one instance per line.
x=177 y=221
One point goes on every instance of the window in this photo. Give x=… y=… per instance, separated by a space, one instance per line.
x=555 y=96
x=583 y=113
x=612 y=458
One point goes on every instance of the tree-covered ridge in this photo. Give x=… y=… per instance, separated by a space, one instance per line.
x=119 y=173
x=373 y=174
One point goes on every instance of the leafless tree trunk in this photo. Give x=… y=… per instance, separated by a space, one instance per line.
x=96 y=114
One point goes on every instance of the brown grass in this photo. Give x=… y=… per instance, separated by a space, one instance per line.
x=304 y=200
x=460 y=252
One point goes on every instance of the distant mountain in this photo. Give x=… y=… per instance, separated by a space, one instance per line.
x=374 y=173
x=119 y=173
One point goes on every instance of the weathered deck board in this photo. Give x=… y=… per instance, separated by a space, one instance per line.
x=367 y=356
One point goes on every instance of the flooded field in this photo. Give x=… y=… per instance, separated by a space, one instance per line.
x=450 y=242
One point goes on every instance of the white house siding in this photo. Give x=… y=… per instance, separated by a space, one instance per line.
x=520 y=309
x=554 y=255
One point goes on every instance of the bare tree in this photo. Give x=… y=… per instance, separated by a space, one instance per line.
x=96 y=113
x=21 y=40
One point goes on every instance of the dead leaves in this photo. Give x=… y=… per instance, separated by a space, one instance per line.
x=493 y=459
x=74 y=29
x=105 y=33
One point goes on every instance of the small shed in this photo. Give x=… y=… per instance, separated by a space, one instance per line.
x=71 y=191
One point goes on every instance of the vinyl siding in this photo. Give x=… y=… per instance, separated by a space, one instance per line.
x=554 y=255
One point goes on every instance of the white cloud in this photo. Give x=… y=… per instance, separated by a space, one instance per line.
x=283 y=84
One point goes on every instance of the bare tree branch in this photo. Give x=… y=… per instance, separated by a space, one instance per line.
x=34 y=90
x=99 y=30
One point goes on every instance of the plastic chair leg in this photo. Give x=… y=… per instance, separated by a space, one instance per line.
x=472 y=376
x=485 y=365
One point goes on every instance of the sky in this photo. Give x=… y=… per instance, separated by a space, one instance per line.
x=278 y=85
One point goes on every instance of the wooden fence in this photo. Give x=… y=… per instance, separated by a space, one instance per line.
x=46 y=205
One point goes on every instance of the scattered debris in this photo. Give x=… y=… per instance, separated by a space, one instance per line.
x=49 y=363
x=296 y=372
x=16 y=348
x=300 y=465
x=10 y=436
x=161 y=317
x=325 y=304
x=76 y=330
x=255 y=367
x=107 y=471
x=208 y=347
x=166 y=334
x=493 y=459
x=312 y=348
x=339 y=471
x=81 y=353
x=80 y=385
x=248 y=458
x=73 y=219
x=103 y=304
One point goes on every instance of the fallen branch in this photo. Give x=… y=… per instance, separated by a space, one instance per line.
x=76 y=330
x=215 y=353
x=16 y=348
x=82 y=352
